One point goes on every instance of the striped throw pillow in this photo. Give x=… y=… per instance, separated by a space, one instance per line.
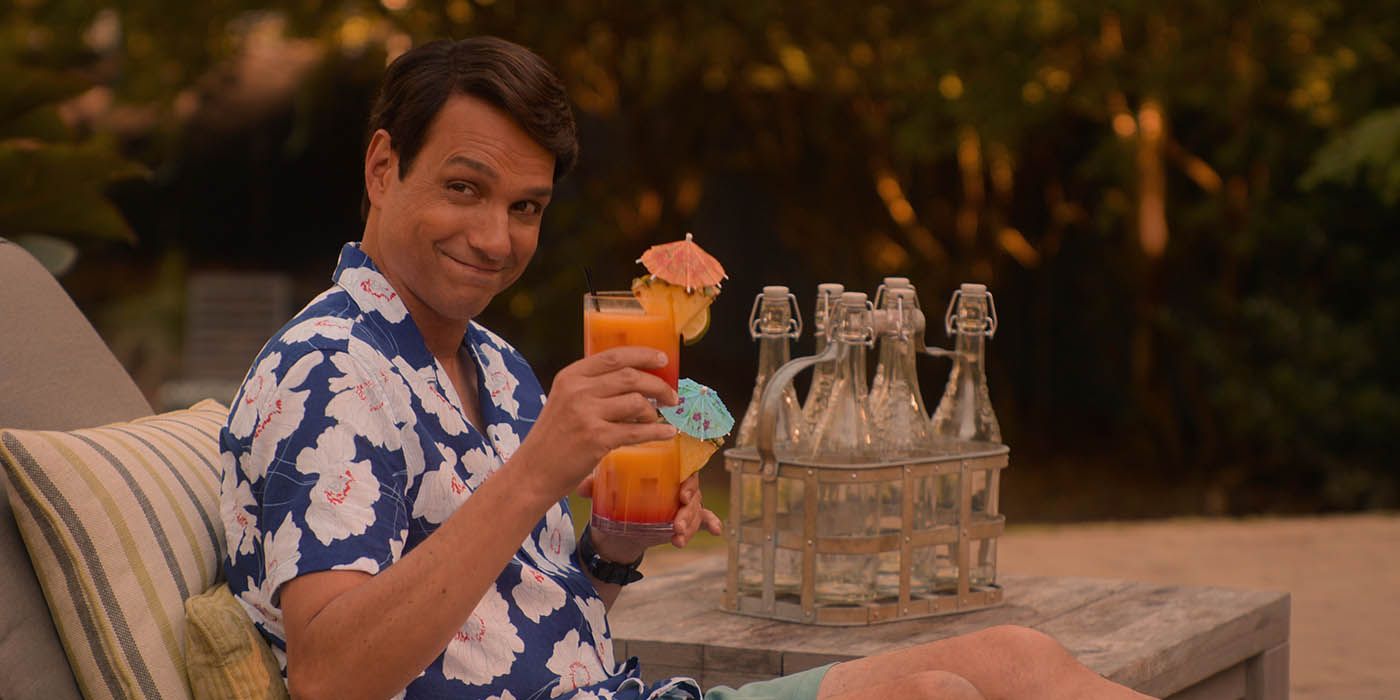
x=122 y=525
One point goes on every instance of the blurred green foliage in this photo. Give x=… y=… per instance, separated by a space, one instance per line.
x=55 y=179
x=1187 y=211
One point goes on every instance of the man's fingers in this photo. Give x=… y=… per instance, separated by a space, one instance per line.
x=689 y=519
x=690 y=488
x=627 y=408
x=630 y=380
x=712 y=522
x=634 y=433
x=614 y=359
x=585 y=487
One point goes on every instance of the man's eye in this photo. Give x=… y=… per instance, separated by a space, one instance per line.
x=461 y=187
x=529 y=208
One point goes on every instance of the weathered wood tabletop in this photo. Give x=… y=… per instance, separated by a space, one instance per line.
x=1181 y=642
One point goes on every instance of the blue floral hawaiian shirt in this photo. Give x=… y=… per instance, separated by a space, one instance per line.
x=347 y=446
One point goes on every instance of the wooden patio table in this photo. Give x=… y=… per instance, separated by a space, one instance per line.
x=1178 y=642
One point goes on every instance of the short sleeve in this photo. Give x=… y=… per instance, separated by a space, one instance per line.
x=333 y=494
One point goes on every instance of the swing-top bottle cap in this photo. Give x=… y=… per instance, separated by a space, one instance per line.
x=897 y=283
x=900 y=293
x=972 y=288
x=830 y=288
x=775 y=292
x=853 y=298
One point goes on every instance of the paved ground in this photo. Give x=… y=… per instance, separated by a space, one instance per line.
x=1343 y=574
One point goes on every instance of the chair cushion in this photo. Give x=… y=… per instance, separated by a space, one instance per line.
x=225 y=655
x=55 y=374
x=122 y=525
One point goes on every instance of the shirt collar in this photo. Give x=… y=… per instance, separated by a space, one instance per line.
x=357 y=274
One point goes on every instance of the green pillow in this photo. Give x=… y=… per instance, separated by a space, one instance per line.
x=225 y=656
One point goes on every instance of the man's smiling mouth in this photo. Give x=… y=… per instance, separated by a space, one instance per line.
x=472 y=266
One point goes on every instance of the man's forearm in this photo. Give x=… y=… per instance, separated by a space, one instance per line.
x=373 y=638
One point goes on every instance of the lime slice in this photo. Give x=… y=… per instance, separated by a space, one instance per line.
x=692 y=332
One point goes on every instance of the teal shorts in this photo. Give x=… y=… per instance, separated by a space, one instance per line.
x=798 y=686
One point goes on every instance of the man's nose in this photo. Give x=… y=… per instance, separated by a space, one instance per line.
x=491 y=239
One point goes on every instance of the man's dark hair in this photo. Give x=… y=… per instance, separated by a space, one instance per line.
x=511 y=77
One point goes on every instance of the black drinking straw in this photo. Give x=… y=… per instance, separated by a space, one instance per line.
x=588 y=279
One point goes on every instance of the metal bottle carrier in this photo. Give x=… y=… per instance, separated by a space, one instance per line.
x=971 y=523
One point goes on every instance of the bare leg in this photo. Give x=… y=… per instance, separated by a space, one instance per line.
x=1003 y=663
x=925 y=685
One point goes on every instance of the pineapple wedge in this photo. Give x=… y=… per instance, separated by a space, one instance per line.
x=694 y=452
x=690 y=311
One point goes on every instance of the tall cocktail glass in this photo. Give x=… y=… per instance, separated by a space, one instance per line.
x=635 y=488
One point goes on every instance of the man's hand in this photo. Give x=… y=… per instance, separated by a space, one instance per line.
x=692 y=514
x=595 y=404
x=690 y=517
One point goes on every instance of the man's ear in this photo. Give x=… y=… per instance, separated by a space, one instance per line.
x=381 y=163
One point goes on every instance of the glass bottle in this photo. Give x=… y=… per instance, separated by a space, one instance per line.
x=842 y=432
x=828 y=297
x=881 y=301
x=901 y=431
x=965 y=413
x=772 y=324
x=900 y=420
x=847 y=510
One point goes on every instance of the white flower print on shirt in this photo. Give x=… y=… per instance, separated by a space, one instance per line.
x=373 y=365
x=554 y=546
x=360 y=403
x=236 y=510
x=504 y=439
x=263 y=380
x=597 y=616
x=505 y=695
x=396 y=545
x=345 y=491
x=442 y=490
x=328 y=327
x=479 y=463
x=412 y=445
x=432 y=400
x=536 y=595
x=364 y=564
x=373 y=293
x=499 y=381
x=282 y=555
x=279 y=413
x=486 y=645
x=576 y=664
x=491 y=336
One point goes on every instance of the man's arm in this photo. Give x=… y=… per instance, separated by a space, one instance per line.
x=350 y=634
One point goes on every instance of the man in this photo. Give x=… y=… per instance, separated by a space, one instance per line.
x=394 y=478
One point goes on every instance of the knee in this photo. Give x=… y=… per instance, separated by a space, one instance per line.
x=1024 y=644
x=941 y=685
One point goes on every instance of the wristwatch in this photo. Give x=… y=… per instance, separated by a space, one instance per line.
x=603 y=569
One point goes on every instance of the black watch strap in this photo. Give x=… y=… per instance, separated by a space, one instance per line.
x=603 y=569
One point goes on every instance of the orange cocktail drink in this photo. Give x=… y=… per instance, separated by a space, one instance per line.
x=634 y=487
x=614 y=319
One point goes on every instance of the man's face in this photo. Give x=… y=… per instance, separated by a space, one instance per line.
x=462 y=224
